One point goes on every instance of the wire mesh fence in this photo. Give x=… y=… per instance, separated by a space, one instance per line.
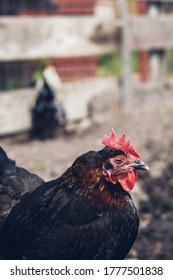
x=23 y=74
x=16 y=74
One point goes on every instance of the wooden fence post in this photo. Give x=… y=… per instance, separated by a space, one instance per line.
x=126 y=97
x=143 y=55
x=156 y=57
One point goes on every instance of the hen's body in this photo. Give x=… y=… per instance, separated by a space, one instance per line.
x=80 y=215
x=14 y=182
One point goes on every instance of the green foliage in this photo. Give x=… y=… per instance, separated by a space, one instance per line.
x=110 y=64
x=169 y=63
x=41 y=64
x=135 y=62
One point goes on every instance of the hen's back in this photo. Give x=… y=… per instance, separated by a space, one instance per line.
x=14 y=182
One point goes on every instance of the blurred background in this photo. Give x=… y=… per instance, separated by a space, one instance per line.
x=70 y=71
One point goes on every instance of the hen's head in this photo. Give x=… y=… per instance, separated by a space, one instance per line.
x=121 y=161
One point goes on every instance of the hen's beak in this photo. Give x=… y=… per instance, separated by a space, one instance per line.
x=139 y=164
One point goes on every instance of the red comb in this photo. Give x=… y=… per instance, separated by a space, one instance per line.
x=120 y=144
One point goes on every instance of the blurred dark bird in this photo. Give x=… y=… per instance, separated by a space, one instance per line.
x=14 y=182
x=87 y=213
x=46 y=115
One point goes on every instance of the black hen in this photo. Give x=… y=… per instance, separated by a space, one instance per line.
x=47 y=116
x=14 y=182
x=87 y=213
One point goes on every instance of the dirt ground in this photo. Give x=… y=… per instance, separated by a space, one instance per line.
x=150 y=128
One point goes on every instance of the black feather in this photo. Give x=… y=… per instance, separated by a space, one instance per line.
x=14 y=182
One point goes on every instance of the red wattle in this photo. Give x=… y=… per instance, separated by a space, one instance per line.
x=128 y=180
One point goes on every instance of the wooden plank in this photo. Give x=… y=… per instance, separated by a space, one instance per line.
x=34 y=37
x=15 y=116
x=147 y=33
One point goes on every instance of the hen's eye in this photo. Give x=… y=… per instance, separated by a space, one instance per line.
x=108 y=166
x=118 y=161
